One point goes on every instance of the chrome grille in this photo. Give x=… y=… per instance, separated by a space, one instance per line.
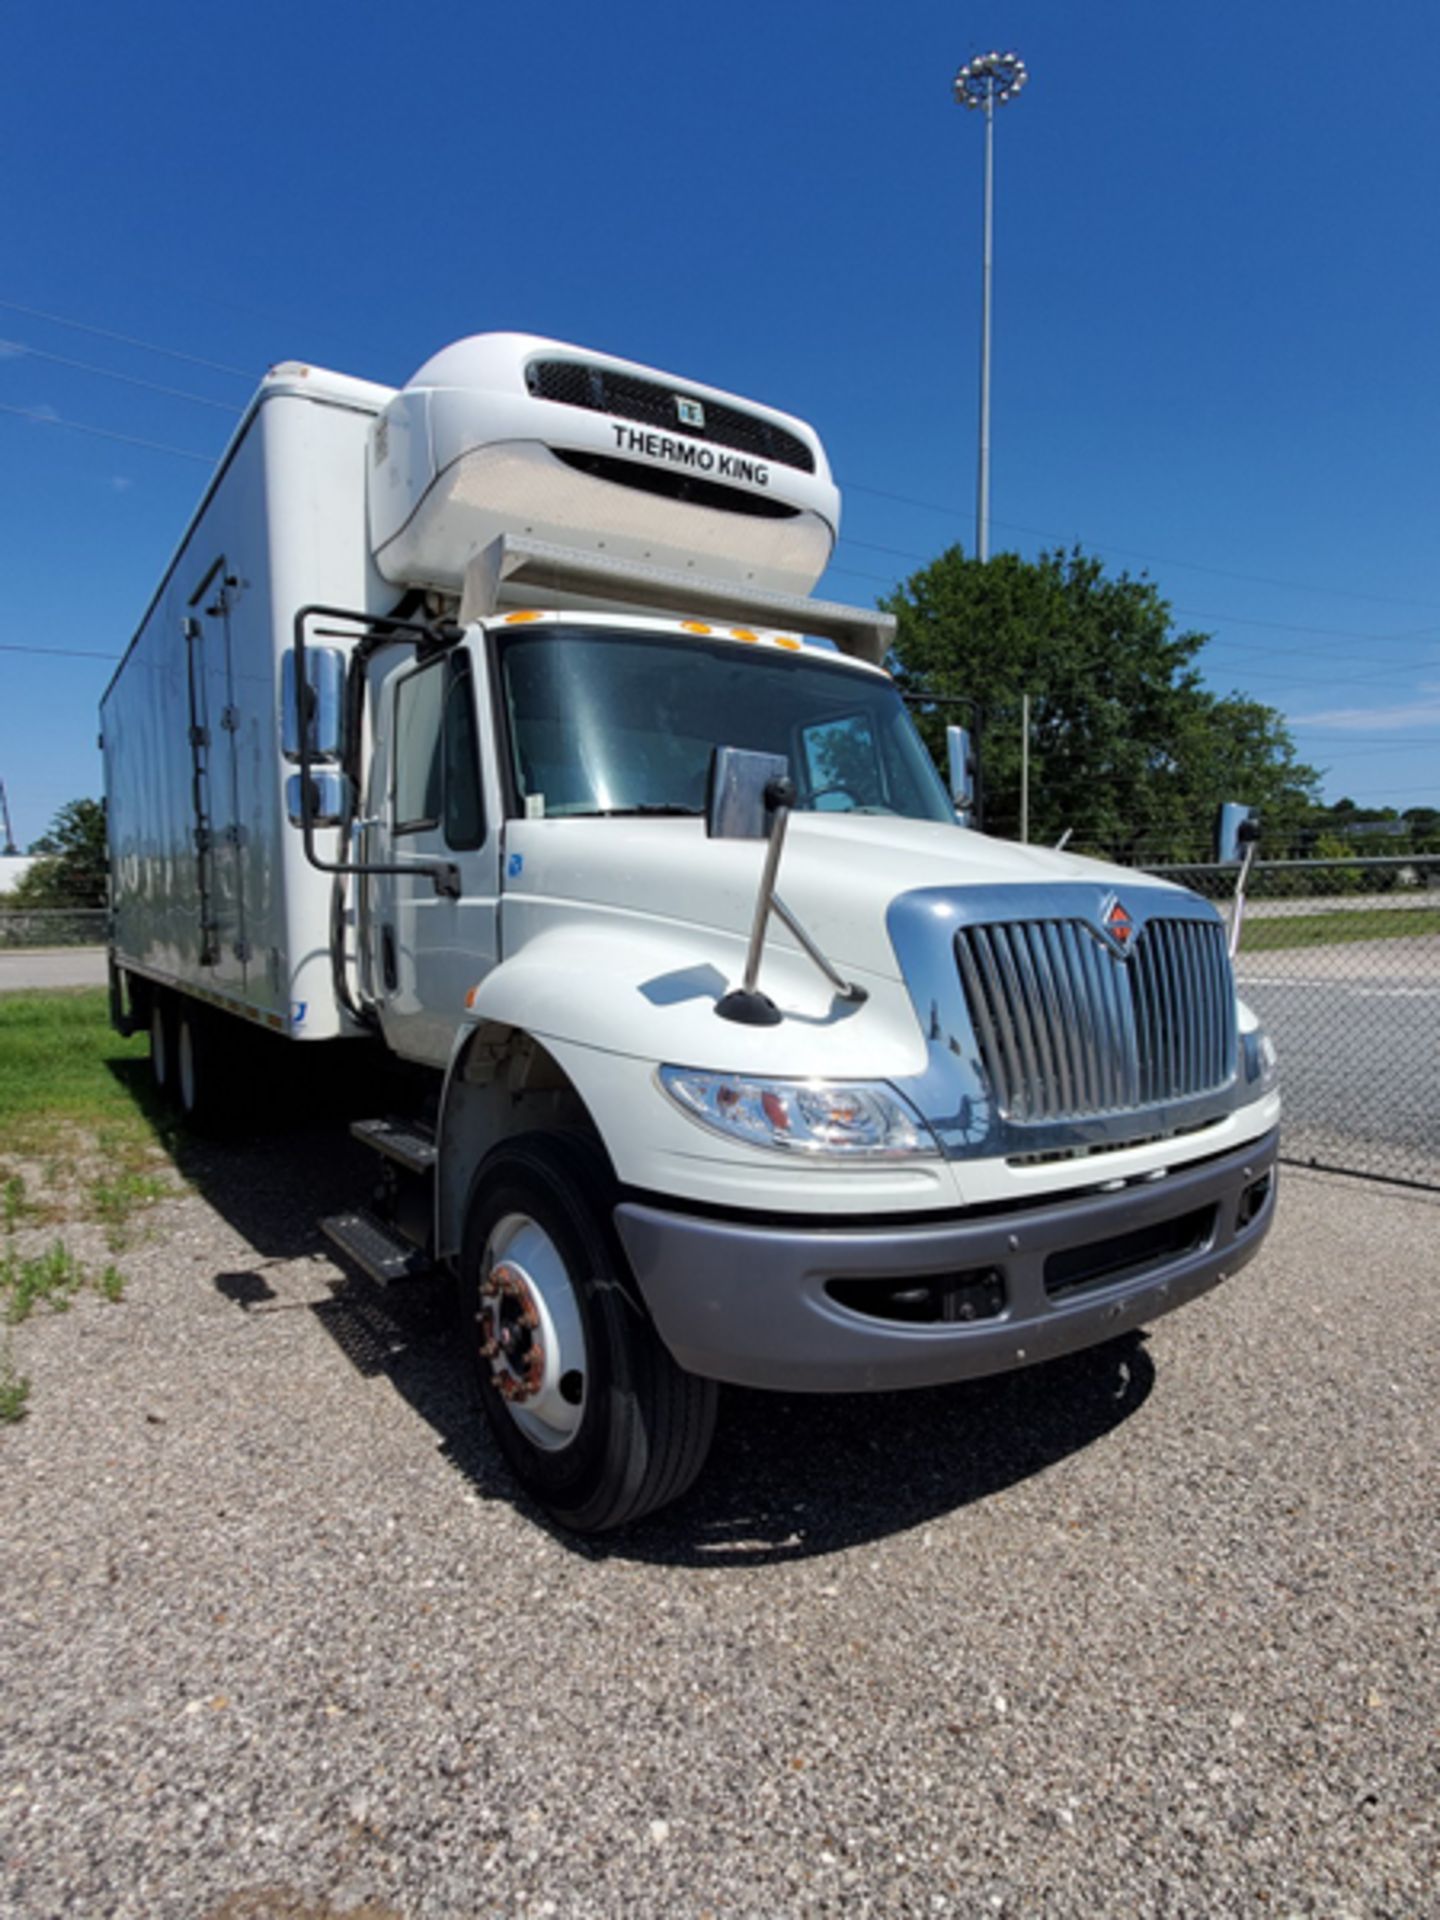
x=1067 y=1028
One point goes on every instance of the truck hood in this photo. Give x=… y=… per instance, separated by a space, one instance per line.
x=839 y=873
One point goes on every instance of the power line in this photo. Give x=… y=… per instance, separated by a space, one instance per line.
x=103 y=433
x=878 y=493
x=1193 y=613
x=1154 y=559
x=127 y=339
x=72 y=653
x=19 y=349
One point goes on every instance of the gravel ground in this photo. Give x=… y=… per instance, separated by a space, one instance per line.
x=1148 y=1632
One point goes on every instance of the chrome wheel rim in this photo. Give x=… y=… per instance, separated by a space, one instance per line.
x=530 y=1333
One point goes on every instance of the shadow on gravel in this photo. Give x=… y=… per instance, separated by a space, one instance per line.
x=790 y=1476
x=794 y=1476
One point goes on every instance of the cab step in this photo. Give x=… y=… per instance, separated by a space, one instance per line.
x=407 y=1142
x=381 y=1252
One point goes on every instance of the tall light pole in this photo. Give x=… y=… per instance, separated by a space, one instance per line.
x=987 y=82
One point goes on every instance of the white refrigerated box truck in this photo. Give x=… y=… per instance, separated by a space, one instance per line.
x=487 y=723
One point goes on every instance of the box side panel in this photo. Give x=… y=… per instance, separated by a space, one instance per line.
x=211 y=888
x=145 y=728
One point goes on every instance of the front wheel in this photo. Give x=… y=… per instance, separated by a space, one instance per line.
x=594 y=1417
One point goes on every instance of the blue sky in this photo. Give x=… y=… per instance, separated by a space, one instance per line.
x=1215 y=317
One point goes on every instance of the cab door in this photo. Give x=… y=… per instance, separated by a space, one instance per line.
x=428 y=947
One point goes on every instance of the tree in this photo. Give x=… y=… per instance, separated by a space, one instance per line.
x=1127 y=749
x=73 y=865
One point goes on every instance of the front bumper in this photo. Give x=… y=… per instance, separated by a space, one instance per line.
x=751 y=1303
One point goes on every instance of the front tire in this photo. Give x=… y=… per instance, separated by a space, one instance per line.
x=593 y=1416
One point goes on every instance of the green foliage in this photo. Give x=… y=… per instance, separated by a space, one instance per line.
x=1127 y=748
x=73 y=867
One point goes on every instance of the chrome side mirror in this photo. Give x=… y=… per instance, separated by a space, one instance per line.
x=329 y=798
x=1235 y=828
x=323 y=700
x=737 y=802
x=960 y=749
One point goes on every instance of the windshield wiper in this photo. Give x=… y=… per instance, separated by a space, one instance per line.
x=648 y=808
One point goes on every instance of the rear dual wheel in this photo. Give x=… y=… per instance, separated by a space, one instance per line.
x=191 y=1059
x=593 y=1416
x=162 y=1062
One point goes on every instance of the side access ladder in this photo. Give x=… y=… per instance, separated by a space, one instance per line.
x=392 y=1240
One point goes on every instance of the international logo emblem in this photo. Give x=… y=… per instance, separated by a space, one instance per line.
x=1118 y=924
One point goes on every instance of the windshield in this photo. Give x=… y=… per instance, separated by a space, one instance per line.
x=605 y=722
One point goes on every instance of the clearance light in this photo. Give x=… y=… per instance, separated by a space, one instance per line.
x=817 y=1117
x=518 y=619
x=696 y=626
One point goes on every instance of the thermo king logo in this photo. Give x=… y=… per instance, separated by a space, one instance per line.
x=690 y=412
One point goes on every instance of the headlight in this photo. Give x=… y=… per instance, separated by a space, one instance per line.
x=819 y=1117
x=1262 y=1064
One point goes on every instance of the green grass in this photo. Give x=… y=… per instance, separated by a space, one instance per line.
x=1338 y=928
x=74 y=1097
x=72 y=1093
x=64 y=1072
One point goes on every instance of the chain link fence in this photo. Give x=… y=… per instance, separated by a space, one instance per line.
x=1341 y=961
x=52 y=927
x=1339 y=958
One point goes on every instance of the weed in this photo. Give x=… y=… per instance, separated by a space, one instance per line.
x=111 y=1284
x=13 y=1204
x=114 y=1199
x=14 y=1390
x=51 y=1276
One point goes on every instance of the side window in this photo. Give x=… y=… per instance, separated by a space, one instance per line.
x=463 y=808
x=419 y=699
x=437 y=754
x=842 y=770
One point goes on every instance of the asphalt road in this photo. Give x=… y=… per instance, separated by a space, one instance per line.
x=22 y=967
x=1358 y=1031
x=1150 y=1632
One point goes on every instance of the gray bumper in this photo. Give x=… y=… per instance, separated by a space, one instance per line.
x=749 y=1304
